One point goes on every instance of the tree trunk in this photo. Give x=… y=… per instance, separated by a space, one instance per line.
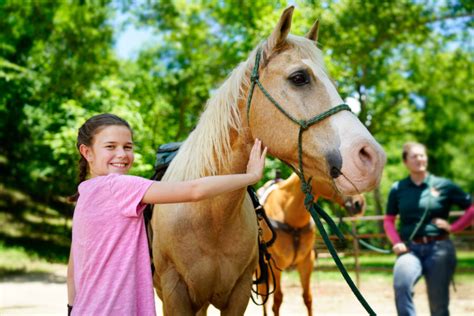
x=378 y=207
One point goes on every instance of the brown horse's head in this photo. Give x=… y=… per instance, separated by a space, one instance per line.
x=355 y=205
x=339 y=148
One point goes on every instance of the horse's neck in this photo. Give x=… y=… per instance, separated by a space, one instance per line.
x=293 y=207
x=230 y=204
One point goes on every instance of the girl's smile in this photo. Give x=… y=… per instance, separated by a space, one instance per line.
x=111 y=151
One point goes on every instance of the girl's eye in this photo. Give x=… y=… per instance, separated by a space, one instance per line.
x=109 y=147
x=299 y=78
x=128 y=148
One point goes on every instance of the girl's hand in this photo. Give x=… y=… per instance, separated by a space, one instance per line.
x=399 y=248
x=442 y=224
x=256 y=162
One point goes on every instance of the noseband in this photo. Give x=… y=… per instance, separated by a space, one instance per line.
x=315 y=210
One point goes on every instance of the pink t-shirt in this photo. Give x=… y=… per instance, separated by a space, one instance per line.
x=112 y=272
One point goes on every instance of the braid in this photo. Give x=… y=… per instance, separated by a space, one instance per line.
x=83 y=166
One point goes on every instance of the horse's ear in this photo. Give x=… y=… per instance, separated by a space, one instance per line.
x=313 y=33
x=280 y=32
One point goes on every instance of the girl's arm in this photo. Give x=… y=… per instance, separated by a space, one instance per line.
x=71 y=292
x=207 y=187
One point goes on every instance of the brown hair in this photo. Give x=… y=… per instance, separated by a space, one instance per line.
x=409 y=145
x=85 y=136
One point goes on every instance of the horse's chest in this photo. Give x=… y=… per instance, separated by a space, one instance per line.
x=210 y=253
x=291 y=248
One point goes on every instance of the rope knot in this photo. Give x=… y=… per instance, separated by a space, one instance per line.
x=306 y=187
x=304 y=124
x=308 y=200
x=307 y=190
x=254 y=77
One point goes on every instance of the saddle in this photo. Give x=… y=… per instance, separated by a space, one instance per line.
x=164 y=155
x=295 y=233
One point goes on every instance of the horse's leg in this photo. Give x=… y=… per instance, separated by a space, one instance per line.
x=305 y=268
x=176 y=300
x=203 y=310
x=278 y=295
x=239 y=298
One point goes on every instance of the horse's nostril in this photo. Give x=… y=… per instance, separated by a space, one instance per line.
x=335 y=172
x=366 y=156
x=334 y=161
x=357 y=206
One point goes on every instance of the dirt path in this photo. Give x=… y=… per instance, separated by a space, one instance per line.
x=45 y=294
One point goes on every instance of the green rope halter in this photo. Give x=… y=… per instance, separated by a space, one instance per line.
x=315 y=210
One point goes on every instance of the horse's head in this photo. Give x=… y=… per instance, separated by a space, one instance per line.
x=355 y=205
x=337 y=148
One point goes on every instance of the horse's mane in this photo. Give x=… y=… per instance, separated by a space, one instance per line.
x=208 y=147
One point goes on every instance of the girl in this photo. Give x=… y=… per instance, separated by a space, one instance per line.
x=109 y=266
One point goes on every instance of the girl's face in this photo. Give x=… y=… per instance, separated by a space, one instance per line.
x=111 y=151
x=416 y=160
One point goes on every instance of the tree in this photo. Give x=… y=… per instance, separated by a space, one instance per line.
x=59 y=50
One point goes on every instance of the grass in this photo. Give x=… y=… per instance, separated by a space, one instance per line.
x=375 y=262
x=33 y=236
x=16 y=261
x=375 y=266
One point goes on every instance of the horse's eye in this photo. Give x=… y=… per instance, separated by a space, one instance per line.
x=299 y=78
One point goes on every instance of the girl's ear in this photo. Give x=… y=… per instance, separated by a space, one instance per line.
x=85 y=152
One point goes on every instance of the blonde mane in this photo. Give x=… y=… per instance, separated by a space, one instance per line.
x=208 y=147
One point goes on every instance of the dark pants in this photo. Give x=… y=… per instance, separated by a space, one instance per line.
x=436 y=261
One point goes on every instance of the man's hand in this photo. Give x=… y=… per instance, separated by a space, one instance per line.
x=399 y=248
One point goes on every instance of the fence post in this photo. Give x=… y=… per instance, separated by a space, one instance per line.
x=356 y=253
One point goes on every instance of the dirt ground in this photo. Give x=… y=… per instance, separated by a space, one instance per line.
x=45 y=294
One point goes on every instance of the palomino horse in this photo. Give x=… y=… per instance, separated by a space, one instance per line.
x=206 y=252
x=294 y=246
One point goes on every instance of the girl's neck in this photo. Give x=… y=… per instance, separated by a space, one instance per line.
x=418 y=177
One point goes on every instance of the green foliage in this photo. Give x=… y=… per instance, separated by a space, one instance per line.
x=408 y=63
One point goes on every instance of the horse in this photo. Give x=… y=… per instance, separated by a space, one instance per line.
x=294 y=246
x=206 y=252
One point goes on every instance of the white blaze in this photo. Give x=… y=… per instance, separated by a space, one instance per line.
x=352 y=133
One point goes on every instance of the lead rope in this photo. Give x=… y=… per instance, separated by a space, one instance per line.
x=314 y=209
x=422 y=219
x=425 y=213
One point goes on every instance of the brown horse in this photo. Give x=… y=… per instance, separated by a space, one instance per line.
x=206 y=252
x=294 y=245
